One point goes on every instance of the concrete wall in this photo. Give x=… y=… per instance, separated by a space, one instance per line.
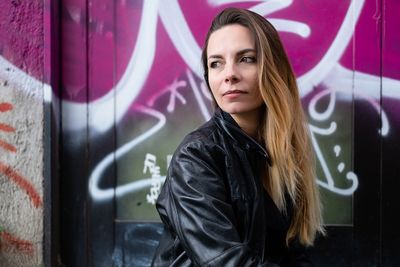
x=21 y=133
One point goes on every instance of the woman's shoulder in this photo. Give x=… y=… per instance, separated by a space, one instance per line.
x=206 y=137
x=199 y=152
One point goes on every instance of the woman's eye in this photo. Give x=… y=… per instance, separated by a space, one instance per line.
x=248 y=59
x=215 y=64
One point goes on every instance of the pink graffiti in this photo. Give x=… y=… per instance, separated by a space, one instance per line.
x=326 y=40
x=323 y=17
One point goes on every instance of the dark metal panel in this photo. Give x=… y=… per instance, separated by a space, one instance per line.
x=367 y=143
x=74 y=139
x=390 y=185
x=367 y=198
x=101 y=132
x=52 y=131
x=390 y=142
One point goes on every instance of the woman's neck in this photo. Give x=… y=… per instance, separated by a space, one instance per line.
x=248 y=122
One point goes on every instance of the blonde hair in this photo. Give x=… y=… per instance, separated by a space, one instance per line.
x=283 y=126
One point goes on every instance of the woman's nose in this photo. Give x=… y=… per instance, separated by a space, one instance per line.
x=231 y=74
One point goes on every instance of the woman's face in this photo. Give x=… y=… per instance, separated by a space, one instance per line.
x=233 y=71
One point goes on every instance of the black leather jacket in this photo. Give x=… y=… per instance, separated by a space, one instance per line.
x=213 y=205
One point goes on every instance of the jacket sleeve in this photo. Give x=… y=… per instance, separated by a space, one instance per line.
x=194 y=203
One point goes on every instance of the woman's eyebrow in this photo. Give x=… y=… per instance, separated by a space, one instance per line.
x=246 y=50
x=215 y=56
x=239 y=53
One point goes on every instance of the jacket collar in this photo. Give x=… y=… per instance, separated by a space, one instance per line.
x=225 y=121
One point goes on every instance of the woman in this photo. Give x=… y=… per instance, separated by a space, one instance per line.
x=227 y=200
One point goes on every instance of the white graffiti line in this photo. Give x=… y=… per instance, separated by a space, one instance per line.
x=295 y=27
x=128 y=87
x=137 y=186
x=385 y=127
x=99 y=194
x=384 y=130
x=267 y=7
x=365 y=86
x=20 y=80
x=180 y=34
x=390 y=87
x=271 y=6
x=351 y=176
x=330 y=184
x=154 y=169
x=317 y=74
x=318 y=151
x=284 y=25
x=224 y=2
x=173 y=90
x=150 y=164
x=321 y=116
x=324 y=131
x=199 y=99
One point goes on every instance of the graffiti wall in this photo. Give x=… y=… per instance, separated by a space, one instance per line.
x=133 y=88
x=21 y=133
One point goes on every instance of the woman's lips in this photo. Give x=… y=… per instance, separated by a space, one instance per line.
x=233 y=92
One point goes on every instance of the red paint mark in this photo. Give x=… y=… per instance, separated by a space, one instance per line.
x=9 y=241
x=5 y=107
x=22 y=183
x=6 y=128
x=8 y=146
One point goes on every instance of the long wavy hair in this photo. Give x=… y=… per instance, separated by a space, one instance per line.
x=283 y=127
